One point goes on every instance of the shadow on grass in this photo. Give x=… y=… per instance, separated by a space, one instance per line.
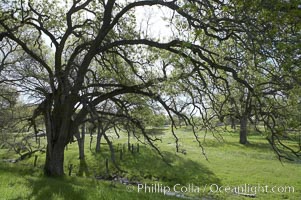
x=148 y=166
x=258 y=145
x=25 y=182
x=55 y=188
x=144 y=167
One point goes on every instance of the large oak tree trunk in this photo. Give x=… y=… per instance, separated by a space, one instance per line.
x=54 y=164
x=56 y=143
x=60 y=128
x=243 y=130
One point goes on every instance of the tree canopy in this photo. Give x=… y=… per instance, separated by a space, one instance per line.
x=74 y=57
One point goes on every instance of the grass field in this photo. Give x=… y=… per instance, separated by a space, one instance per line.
x=230 y=167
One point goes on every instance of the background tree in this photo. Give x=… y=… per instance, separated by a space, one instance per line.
x=281 y=50
x=263 y=61
x=8 y=100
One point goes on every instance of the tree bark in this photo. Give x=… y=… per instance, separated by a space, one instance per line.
x=54 y=164
x=60 y=129
x=243 y=130
x=129 y=141
x=81 y=143
x=233 y=125
x=91 y=138
x=98 y=139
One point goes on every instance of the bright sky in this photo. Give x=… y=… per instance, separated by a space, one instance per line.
x=152 y=21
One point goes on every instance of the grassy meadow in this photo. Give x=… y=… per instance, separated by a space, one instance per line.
x=229 y=166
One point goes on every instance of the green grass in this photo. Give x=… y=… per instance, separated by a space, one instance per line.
x=236 y=165
x=229 y=164
x=20 y=182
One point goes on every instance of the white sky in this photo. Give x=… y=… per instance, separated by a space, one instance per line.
x=152 y=21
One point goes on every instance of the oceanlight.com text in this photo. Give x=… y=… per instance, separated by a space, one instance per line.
x=213 y=188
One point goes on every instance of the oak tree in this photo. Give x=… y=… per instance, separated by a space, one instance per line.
x=72 y=56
